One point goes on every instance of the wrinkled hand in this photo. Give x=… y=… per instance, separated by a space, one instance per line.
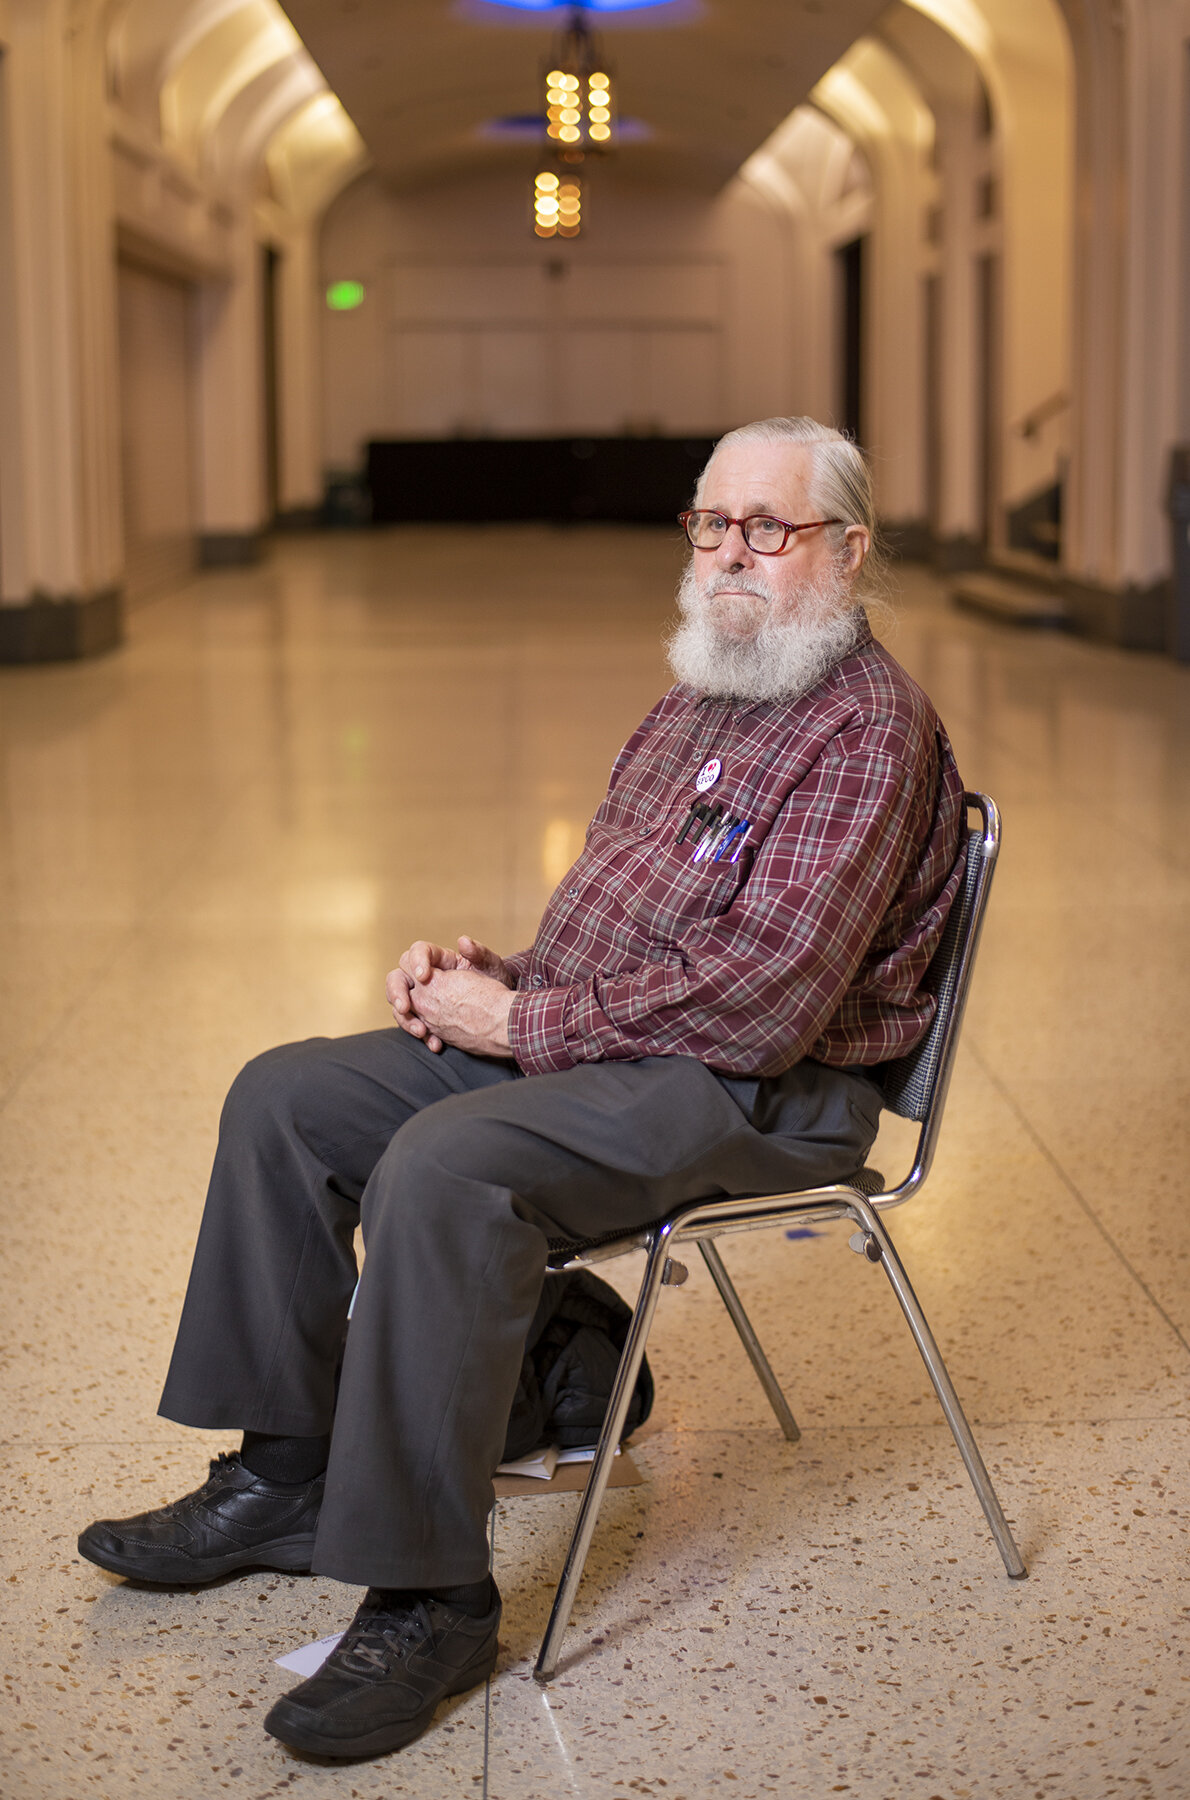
x=486 y=961
x=415 y=969
x=466 y=1009
x=453 y=997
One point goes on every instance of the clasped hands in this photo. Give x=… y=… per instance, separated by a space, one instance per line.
x=459 y=997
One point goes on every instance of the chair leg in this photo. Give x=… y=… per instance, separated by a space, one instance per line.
x=948 y=1398
x=601 y=1467
x=749 y=1339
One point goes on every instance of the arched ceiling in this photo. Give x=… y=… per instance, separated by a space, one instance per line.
x=708 y=80
x=229 y=88
x=235 y=87
x=944 y=69
x=809 y=165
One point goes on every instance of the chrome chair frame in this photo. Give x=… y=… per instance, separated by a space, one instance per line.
x=916 y=1087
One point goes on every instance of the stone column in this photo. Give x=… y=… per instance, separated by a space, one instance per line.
x=230 y=337
x=1130 y=343
x=298 y=383
x=959 y=523
x=60 y=521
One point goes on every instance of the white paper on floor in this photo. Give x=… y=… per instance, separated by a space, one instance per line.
x=539 y=1465
x=309 y=1659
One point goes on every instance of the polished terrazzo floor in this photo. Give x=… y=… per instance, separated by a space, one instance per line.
x=220 y=837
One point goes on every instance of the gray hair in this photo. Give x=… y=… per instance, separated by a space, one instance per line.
x=840 y=484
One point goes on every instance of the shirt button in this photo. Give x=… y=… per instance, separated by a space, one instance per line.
x=539 y=981
x=572 y=893
x=644 y=831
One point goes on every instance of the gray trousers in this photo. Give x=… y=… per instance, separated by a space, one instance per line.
x=459 y=1169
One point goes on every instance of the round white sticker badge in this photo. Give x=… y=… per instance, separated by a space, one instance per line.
x=709 y=774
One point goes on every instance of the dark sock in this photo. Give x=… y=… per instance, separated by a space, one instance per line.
x=292 y=1461
x=475 y=1598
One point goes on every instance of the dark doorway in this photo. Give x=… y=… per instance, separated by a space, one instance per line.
x=268 y=290
x=850 y=259
x=154 y=320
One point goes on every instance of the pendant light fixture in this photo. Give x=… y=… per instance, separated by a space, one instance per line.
x=578 y=120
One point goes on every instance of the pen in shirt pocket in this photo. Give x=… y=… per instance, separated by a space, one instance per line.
x=715 y=845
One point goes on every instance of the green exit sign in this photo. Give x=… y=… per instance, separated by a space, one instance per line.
x=345 y=296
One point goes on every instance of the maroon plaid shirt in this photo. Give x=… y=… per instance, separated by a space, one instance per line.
x=796 y=921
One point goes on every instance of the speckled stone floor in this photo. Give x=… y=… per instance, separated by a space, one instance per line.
x=219 y=837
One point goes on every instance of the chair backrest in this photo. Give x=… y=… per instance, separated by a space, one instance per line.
x=914 y=1085
x=911 y=1083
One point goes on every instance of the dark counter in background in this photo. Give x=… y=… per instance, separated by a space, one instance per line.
x=633 y=480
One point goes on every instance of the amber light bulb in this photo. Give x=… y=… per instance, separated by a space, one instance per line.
x=545 y=204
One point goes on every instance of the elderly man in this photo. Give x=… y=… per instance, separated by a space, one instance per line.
x=738 y=947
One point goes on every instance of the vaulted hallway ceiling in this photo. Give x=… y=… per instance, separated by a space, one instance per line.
x=707 y=80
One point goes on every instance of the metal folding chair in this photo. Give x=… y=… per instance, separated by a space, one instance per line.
x=915 y=1087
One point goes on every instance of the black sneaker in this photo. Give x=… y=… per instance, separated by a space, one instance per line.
x=378 y=1689
x=235 y=1520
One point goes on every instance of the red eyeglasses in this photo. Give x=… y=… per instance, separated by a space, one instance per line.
x=762 y=533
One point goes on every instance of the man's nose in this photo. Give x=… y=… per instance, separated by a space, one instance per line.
x=734 y=552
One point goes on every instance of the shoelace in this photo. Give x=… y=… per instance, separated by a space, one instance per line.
x=219 y=1463
x=381 y=1640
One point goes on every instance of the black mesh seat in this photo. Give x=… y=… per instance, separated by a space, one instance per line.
x=909 y=1082
x=915 y=1087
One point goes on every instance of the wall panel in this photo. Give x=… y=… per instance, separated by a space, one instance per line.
x=515 y=389
x=509 y=350
x=428 y=392
x=596 y=379
x=684 y=376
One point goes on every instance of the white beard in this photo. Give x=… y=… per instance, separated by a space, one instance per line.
x=782 y=661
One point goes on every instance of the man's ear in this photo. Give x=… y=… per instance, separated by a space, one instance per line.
x=858 y=544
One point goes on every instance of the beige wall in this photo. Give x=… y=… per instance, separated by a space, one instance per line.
x=670 y=313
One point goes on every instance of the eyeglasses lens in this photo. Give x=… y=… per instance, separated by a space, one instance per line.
x=765 y=535
x=706 y=530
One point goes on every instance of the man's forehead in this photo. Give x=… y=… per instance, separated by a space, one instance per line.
x=757 y=477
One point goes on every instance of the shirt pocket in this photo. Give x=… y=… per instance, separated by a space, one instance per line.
x=673 y=894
